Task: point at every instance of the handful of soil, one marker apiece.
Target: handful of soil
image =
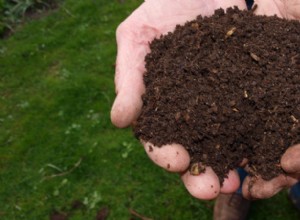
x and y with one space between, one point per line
226 87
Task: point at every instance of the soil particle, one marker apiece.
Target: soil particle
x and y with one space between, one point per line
58 216
150 148
76 204
225 87
102 214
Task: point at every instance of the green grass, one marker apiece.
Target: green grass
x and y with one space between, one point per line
56 89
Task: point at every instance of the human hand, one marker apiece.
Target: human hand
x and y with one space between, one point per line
257 188
254 188
285 9
149 21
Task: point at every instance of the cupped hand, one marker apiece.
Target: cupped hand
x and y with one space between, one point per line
152 19
257 188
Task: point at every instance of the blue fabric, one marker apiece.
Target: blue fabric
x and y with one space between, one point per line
294 194
295 190
249 3
242 173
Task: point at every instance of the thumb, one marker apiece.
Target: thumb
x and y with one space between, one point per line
130 66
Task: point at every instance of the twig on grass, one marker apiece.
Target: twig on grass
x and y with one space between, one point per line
68 12
139 215
76 165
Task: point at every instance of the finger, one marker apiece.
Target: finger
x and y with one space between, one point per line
295 177
126 107
285 9
132 48
231 183
257 188
205 186
172 157
290 160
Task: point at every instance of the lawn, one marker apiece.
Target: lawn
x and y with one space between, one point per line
59 152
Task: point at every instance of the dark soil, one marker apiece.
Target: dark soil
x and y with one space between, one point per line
102 214
226 87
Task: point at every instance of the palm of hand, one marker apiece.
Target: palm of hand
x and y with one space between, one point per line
149 21
285 9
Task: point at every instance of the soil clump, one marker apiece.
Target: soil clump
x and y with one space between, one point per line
226 87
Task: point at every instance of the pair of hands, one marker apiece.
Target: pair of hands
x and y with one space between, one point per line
149 21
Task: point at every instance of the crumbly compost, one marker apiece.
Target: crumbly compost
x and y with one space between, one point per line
226 87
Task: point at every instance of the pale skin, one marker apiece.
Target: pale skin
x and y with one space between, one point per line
150 20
